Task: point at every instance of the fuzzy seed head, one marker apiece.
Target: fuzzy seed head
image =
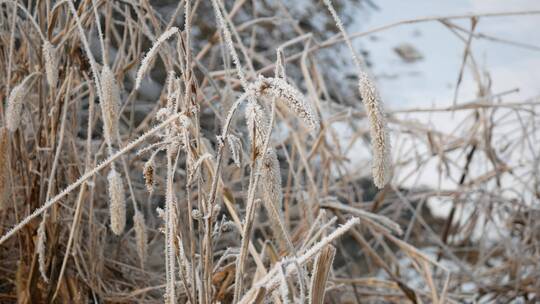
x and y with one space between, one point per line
41 248
287 94
145 64
257 123
172 84
110 105
51 63
380 141
235 145
148 173
14 107
271 179
117 204
139 226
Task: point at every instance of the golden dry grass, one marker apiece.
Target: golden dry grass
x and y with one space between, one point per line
223 137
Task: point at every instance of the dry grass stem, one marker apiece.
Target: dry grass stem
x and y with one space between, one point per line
321 271
254 174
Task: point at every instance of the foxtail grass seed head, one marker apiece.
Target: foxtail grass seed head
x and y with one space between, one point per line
117 204
110 105
290 97
145 64
271 179
148 173
380 141
257 123
41 249
272 195
235 145
14 106
51 63
171 85
140 235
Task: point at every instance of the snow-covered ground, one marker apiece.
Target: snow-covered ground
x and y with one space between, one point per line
512 63
433 79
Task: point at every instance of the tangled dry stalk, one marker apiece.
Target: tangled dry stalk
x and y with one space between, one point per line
252 208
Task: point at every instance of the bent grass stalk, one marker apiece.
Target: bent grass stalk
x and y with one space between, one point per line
15 103
85 177
380 141
271 280
145 64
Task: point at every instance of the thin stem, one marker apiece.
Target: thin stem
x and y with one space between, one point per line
85 177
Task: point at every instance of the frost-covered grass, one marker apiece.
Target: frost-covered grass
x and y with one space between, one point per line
210 152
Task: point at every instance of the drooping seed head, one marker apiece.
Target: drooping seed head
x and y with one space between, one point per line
117 204
380 141
145 64
287 94
271 179
257 123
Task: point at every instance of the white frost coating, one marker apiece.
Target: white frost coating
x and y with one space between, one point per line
117 202
151 53
289 96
